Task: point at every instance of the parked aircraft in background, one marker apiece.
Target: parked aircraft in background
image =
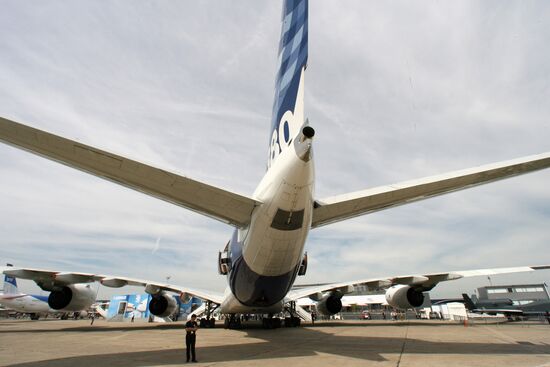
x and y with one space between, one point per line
507 307
39 305
265 253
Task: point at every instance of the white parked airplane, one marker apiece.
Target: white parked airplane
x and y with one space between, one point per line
266 251
37 305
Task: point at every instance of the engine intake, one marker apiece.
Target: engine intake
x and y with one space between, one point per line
404 297
162 305
329 305
74 297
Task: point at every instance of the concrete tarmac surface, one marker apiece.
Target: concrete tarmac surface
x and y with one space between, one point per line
343 343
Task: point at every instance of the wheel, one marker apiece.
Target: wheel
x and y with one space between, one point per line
292 321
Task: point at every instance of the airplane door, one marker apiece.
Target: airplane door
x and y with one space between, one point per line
121 308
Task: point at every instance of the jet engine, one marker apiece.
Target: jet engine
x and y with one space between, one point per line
329 305
74 297
162 305
404 297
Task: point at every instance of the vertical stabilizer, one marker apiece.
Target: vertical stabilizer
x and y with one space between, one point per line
288 105
468 302
10 284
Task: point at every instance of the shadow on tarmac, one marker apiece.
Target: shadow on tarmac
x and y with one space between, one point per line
179 325
284 343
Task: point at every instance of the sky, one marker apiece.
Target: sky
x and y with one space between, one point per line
396 90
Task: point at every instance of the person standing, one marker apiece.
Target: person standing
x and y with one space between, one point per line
191 328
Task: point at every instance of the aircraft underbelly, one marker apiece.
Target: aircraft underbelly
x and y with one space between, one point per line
232 305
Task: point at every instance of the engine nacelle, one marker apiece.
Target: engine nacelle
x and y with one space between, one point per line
162 305
74 297
404 297
329 305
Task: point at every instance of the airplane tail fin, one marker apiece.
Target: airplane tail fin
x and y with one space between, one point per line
288 105
468 302
10 284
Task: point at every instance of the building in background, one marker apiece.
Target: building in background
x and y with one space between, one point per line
520 295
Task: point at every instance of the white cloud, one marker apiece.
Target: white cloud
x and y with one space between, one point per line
395 90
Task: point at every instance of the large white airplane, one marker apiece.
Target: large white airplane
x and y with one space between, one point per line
265 253
37 305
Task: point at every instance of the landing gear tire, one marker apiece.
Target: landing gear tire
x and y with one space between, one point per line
292 321
34 316
232 322
271 322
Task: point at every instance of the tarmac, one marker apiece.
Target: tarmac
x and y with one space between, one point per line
343 343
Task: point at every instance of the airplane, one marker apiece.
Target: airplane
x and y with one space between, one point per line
37 305
266 251
506 307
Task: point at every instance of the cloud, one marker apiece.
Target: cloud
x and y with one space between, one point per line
395 91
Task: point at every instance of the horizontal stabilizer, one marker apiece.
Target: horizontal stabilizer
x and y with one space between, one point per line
211 201
358 203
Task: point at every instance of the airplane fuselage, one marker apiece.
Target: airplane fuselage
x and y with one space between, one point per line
266 256
26 303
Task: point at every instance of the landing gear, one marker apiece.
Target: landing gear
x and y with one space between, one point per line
271 322
232 322
209 321
34 316
293 320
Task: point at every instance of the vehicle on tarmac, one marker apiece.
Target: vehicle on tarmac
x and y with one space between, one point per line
365 315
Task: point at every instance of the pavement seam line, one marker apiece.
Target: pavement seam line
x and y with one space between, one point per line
403 346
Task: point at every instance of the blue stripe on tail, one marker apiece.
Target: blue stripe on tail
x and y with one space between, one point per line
292 61
10 285
10 280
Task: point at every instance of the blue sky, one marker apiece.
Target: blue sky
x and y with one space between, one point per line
395 90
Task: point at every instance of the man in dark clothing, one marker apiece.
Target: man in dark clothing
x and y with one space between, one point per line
191 328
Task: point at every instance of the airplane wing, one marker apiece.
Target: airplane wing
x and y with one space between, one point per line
211 201
48 279
337 208
424 281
